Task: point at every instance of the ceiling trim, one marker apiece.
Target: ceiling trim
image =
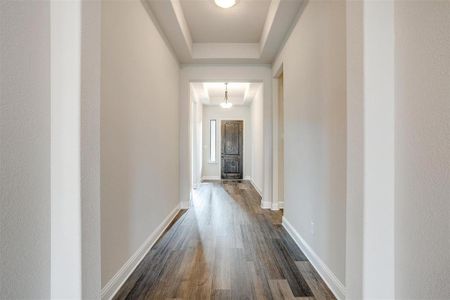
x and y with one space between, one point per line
181 21
247 97
285 16
201 51
273 8
170 21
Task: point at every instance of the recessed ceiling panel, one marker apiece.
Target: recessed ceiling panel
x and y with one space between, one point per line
242 23
212 93
235 89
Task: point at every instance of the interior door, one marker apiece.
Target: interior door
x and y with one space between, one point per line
232 145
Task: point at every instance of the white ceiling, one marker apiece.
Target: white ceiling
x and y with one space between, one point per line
198 31
213 93
209 23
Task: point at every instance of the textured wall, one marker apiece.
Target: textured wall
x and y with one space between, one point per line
139 132
422 149
25 150
257 118
314 69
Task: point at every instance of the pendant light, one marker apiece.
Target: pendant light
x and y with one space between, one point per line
226 104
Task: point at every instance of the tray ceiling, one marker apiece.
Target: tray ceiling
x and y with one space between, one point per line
198 31
209 23
212 93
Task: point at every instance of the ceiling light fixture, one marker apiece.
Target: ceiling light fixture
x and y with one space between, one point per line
226 104
225 3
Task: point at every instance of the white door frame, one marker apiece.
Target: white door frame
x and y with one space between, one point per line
276 202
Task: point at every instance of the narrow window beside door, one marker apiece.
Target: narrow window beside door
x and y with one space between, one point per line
212 141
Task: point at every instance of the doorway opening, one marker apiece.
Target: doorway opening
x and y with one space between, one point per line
226 142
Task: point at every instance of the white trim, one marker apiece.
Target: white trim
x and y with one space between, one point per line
184 204
116 282
215 161
324 271
256 187
266 205
277 206
210 177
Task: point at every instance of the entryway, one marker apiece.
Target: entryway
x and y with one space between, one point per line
227 132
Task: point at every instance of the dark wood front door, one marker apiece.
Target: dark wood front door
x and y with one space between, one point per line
232 149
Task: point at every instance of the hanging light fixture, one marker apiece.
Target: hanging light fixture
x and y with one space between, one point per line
226 104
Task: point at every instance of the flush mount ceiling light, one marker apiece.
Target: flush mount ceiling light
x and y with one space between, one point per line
226 104
225 3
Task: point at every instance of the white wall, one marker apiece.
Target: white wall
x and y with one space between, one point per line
355 151
197 138
65 149
213 170
257 157
422 180
403 63
378 161
370 132
90 97
229 73
139 132
52 214
25 150
75 150
314 68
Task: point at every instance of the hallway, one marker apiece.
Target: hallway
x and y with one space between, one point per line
225 247
120 121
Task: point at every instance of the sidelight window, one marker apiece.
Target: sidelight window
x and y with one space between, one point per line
212 140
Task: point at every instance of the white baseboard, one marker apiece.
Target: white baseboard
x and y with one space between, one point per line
277 206
255 186
184 205
211 178
266 204
116 282
324 271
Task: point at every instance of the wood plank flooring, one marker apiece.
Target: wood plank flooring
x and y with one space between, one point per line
225 247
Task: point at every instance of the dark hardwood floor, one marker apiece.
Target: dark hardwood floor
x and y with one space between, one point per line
225 247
